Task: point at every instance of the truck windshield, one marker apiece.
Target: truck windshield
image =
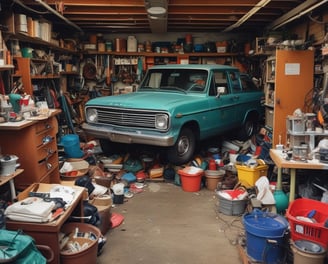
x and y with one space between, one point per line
186 80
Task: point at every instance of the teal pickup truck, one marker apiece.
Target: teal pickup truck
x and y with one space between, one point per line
176 107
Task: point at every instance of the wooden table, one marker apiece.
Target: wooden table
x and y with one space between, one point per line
278 158
48 233
10 179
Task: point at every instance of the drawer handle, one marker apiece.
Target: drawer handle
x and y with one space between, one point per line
49 151
49 166
47 139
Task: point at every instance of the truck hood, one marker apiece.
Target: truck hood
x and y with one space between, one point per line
146 100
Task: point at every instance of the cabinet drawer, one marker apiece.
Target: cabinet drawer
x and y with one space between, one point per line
46 150
44 125
51 177
45 138
46 165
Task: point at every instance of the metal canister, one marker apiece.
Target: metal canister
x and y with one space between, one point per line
120 45
109 46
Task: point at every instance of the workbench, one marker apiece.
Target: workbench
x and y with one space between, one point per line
278 158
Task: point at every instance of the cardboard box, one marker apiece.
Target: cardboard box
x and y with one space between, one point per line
45 187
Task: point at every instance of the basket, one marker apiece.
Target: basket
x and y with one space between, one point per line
88 245
300 229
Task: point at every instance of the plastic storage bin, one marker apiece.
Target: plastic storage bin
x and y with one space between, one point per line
299 211
248 175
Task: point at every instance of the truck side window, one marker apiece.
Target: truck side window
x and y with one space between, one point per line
220 80
235 82
248 84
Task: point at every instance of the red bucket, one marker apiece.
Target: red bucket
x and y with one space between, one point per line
191 178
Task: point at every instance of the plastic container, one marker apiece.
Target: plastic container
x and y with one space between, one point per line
89 253
118 190
191 178
71 144
307 252
118 198
132 44
296 124
265 235
307 230
281 200
27 52
248 176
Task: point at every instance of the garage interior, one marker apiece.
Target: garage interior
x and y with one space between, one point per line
56 56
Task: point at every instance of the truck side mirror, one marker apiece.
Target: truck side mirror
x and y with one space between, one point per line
220 90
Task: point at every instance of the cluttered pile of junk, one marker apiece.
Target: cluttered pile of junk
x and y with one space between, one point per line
236 172
239 175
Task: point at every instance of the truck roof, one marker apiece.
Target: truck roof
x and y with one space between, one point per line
194 66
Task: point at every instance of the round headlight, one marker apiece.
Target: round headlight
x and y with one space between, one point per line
161 121
91 115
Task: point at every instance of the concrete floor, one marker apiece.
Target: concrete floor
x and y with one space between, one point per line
166 225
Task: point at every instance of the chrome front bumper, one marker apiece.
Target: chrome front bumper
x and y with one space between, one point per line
128 137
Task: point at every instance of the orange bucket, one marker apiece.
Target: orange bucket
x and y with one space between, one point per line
191 178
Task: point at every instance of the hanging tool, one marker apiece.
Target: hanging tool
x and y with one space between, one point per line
108 70
67 112
322 114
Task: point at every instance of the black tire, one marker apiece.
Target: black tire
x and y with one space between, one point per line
248 129
183 149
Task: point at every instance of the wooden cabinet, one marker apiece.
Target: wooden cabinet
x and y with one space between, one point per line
289 80
35 144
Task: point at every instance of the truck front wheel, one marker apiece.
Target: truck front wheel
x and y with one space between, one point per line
248 129
183 149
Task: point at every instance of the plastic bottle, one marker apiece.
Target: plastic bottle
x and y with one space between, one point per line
212 165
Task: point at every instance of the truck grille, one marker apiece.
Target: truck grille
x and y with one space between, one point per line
127 117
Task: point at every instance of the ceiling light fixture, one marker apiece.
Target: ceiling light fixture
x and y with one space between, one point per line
157 15
242 20
156 11
294 14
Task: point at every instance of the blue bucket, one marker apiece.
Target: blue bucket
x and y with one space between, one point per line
71 144
265 234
